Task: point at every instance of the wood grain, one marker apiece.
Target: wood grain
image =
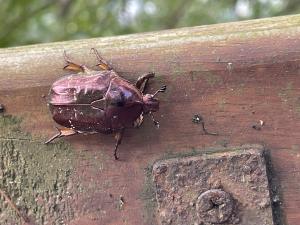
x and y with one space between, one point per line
232 74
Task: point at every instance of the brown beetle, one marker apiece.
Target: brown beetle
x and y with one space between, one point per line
99 101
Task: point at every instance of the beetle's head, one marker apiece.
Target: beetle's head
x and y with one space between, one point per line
151 104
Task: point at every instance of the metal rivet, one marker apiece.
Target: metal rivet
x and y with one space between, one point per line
214 206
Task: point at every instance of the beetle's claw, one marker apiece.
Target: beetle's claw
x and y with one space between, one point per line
115 155
156 123
163 88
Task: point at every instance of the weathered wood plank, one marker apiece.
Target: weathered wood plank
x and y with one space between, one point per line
233 74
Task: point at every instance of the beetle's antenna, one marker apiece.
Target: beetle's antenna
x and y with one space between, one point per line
162 89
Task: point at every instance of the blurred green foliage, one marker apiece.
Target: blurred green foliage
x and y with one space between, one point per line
35 21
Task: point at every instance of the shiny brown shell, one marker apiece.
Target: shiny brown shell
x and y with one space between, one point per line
95 101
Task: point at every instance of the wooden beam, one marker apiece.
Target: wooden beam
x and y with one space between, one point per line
233 74
38 65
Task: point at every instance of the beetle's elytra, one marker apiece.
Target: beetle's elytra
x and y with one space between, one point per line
91 101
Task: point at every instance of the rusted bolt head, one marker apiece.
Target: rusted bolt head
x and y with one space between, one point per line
214 206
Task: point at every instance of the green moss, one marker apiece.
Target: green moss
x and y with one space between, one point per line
171 155
148 197
35 176
286 93
177 69
295 148
211 79
290 98
222 103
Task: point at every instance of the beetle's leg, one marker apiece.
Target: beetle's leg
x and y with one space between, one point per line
102 63
71 65
118 137
61 133
142 81
156 123
138 122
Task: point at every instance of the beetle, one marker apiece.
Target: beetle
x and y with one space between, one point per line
99 101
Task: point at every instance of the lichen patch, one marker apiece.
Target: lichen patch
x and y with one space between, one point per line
35 176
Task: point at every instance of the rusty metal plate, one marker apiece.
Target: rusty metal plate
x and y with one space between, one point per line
228 187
